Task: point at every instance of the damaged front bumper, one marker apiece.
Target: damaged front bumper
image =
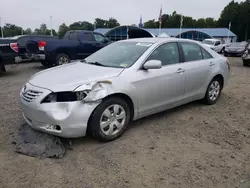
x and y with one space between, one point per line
64 119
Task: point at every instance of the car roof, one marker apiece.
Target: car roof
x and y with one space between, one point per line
158 40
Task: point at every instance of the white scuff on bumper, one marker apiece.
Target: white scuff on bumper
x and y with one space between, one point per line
64 119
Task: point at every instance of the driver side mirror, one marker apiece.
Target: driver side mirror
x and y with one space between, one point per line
152 64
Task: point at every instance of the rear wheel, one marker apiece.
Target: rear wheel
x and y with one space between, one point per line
245 63
110 119
62 59
213 91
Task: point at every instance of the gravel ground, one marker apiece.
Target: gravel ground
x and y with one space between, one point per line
190 146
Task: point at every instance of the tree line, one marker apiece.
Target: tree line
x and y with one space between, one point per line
236 13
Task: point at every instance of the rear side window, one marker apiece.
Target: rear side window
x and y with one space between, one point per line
191 52
206 55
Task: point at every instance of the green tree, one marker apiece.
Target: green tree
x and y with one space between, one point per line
62 30
112 22
28 31
101 23
81 26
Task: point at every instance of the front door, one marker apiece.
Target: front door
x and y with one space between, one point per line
159 89
99 41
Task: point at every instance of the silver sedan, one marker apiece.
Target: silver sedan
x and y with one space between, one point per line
124 81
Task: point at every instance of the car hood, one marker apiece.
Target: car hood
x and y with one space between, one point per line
70 76
235 48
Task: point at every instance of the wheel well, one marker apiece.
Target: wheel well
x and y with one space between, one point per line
62 52
127 99
219 76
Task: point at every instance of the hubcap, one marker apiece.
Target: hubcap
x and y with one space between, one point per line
63 60
112 120
214 90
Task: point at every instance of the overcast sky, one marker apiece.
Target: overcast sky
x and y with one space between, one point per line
31 13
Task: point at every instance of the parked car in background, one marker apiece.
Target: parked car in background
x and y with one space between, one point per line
123 81
246 56
8 52
26 55
76 44
215 44
235 49
13 49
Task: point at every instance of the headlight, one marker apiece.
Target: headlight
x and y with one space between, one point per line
65 97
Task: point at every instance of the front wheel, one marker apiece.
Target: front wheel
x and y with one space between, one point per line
62 59
222 51
213 91
110 119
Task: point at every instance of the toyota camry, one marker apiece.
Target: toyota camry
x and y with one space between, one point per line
122 82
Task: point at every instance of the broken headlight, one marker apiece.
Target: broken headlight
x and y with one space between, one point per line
65 97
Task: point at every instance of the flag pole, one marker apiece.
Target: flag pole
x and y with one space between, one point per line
229 28
181 26
1 26
51 31
160 21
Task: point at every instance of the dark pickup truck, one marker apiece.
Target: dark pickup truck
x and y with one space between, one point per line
76 44
13 49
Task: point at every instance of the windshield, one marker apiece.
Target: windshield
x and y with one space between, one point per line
238 44
119 54
208 42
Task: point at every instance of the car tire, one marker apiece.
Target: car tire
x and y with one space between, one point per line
213 91
245 63
62 59
222 50
115 126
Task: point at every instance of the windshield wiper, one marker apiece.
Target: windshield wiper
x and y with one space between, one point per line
97 63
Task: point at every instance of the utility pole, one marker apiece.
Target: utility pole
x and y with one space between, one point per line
51 31
1 26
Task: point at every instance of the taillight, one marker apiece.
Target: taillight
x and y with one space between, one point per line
14 46
41 45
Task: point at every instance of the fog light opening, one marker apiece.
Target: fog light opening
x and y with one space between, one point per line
57 127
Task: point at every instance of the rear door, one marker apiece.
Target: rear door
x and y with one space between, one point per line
99 41
198 65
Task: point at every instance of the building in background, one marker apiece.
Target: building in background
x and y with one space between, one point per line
199 34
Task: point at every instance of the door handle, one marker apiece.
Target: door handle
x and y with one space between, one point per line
180 70
212 64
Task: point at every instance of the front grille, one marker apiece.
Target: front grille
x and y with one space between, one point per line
30 95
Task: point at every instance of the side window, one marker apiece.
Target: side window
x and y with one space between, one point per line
87 37
191 52
167 53
206 55
217 43
73 36
99 38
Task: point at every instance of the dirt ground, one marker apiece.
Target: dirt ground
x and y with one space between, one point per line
192 146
